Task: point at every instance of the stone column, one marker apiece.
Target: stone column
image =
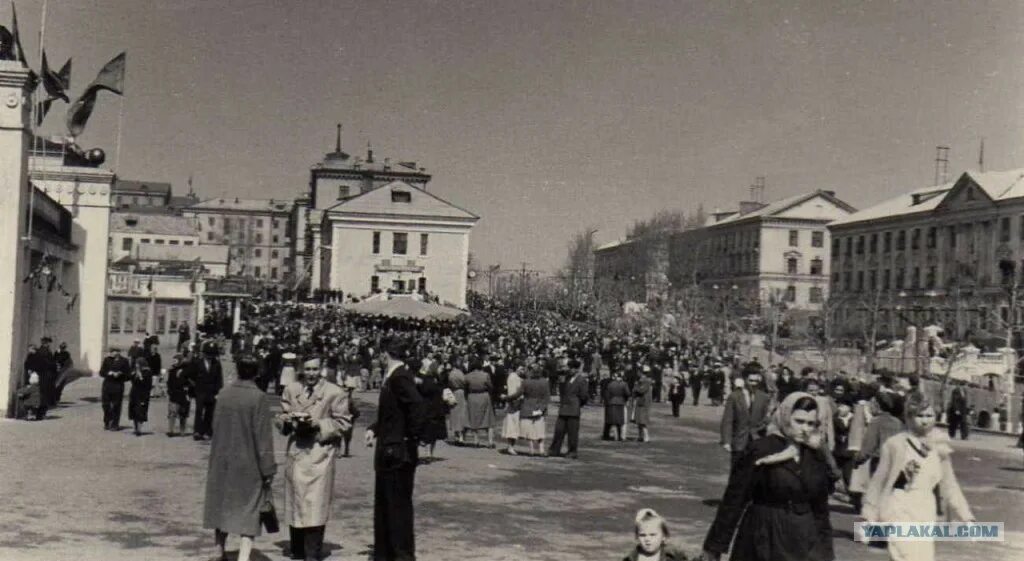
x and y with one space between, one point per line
314 276
15 101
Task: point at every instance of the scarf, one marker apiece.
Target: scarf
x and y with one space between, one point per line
779 424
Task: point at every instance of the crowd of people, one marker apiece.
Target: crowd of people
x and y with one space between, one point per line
794 439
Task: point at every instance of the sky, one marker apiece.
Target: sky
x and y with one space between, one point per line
549 118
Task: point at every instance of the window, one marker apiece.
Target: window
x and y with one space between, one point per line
915 239
141 318
273 254
376 243
401 197
399 243
259 222
835 281
1004 229
159 242
817 239
129 318
901 240
398 285
860 281
849 246
126 244
815 295
277 239
273 273
873 244
211 221
933 234
817 266
227 226
872 280
256 271
900 278
952 233
115 317
794 238
342 191
276 223
848 281
144 240
173 242
424 238
887 242
374 283
209 236
172 319
791 265
257 253
915 281
259 238
929 280
423 284
835 248
885 279
791 293
189 242
860 245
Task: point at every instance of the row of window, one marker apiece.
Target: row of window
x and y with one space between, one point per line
817 238
239 224
400 243
135 200
133 317
885 279
814 294
817 266
126 243
886 241
399 285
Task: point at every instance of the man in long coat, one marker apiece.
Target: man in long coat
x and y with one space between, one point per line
399 424
241 463
207 379
315 415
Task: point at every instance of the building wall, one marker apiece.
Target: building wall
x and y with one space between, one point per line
133 310
353 263
803 289
118 249
260 242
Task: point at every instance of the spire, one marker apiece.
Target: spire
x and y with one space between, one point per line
337 142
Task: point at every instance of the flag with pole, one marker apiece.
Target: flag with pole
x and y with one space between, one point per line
110 78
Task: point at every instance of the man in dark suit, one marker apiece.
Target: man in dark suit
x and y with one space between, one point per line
696 378
397 429
957 413
572 397
115 370
746 414
207 379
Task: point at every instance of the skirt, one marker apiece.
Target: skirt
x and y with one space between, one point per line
532 428
457 416
480 414
510 427
615 415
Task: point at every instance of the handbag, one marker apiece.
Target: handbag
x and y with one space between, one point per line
268 514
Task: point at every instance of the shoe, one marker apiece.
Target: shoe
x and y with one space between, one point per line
573 456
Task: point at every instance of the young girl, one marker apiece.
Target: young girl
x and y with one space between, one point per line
651 532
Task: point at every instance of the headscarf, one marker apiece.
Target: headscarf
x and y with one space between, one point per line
780 423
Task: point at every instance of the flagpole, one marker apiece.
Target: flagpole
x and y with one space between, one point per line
120 125
34 127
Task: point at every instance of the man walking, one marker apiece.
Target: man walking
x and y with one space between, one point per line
115 370
745 416
397 429
207 380
572 397
958 412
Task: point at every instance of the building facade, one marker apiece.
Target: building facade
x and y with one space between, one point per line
948 255
632 270
153 299
256 231
396 238
130 232
762 252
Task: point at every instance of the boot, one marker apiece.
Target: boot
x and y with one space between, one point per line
313 541
296 542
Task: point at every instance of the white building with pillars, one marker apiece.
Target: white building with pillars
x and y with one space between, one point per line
53 240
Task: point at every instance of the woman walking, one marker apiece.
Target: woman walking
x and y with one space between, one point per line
615 397
510 426
912 464
241 464
457 417
138 396
433 410
641 410
533 409
778 493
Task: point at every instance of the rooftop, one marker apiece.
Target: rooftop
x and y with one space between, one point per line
781 205
246 205
998 185
160 224
135 186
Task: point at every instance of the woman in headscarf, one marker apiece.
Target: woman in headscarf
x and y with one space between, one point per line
480 411
457 416
138 397
911 466
536 395
434 408
778 493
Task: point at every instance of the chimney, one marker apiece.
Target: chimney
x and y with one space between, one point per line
746 207
387 163
337 141
369 153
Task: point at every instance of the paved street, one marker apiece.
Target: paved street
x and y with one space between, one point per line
73 491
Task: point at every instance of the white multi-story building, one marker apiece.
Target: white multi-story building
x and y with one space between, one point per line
256 231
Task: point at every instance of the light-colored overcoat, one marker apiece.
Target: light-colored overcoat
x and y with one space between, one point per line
309 460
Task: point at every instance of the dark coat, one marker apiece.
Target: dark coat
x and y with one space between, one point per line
668 553
783 507
434 409
573 396
207 381
179 386
536 397
741 425
115 372
399 423
617 393
241 455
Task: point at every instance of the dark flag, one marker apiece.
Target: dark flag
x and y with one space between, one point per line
110 78
17 36
56 85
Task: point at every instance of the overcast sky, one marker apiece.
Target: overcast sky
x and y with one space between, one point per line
547 117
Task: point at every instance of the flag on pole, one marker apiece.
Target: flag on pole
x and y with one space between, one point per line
56 85
110 78
17 36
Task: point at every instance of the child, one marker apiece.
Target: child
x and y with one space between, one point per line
30 401
651 533
179 392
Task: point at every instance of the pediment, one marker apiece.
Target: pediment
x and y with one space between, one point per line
965 194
